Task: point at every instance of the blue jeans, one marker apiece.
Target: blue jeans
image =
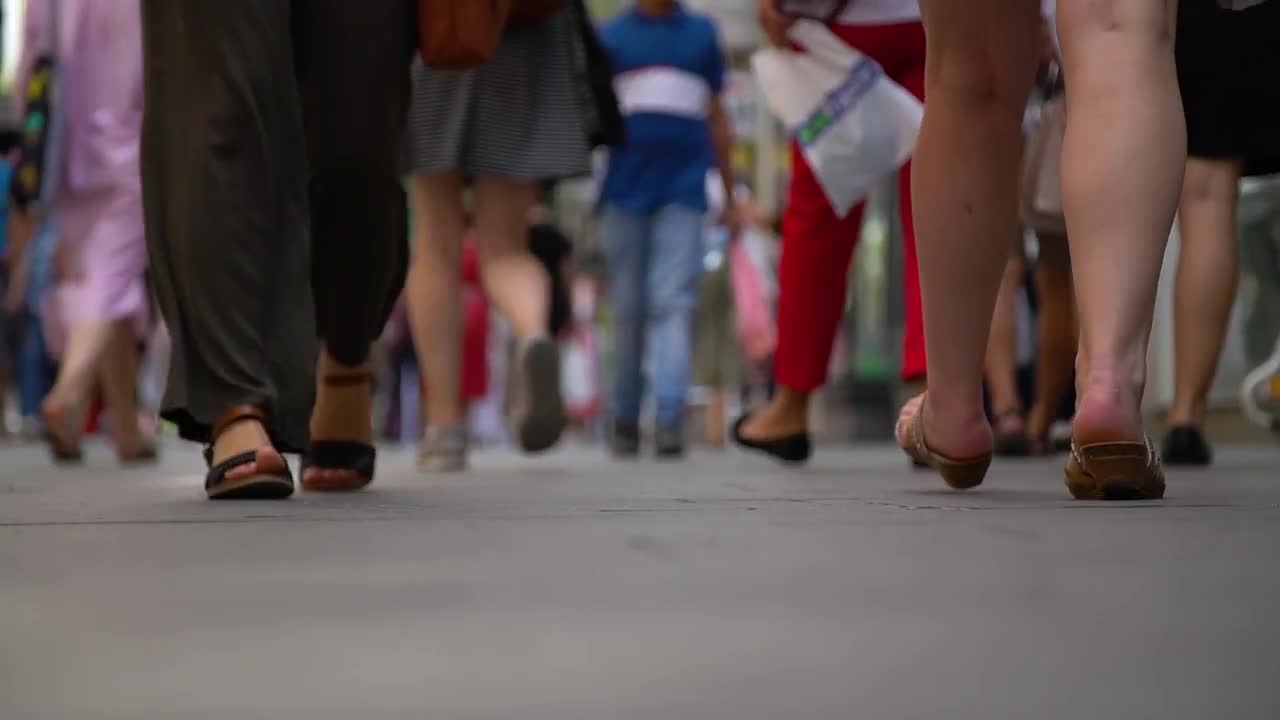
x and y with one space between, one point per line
655 264
31 368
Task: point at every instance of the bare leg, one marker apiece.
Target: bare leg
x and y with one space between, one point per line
515 281
119 377
715 418
1208 273
1056 341
86 345
1002 354
787 413
980 67
435 293
1121 173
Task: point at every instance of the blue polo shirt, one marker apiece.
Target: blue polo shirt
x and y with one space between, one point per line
667 69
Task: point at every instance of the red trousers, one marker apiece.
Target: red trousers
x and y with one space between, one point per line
817 246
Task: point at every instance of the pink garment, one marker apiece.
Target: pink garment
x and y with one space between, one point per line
97 204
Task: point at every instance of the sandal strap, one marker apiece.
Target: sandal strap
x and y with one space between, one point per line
232 416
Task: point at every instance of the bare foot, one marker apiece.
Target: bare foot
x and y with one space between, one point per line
786 415
246 436
1107 411
952 435
60 426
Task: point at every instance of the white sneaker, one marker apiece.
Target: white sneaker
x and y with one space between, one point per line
1260 393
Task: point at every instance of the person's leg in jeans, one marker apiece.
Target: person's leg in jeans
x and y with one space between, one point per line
626 237
352 88
32 368
675 269
225 191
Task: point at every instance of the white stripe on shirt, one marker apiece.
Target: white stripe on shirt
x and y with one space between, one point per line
665 90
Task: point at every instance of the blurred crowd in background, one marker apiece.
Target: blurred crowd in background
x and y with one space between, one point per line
696 273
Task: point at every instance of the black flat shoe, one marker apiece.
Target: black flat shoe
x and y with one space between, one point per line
1186 445
791 450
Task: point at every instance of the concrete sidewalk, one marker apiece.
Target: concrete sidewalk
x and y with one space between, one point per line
573 588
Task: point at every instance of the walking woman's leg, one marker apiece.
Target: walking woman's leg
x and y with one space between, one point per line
223 171
519 287
355 96
1056 341
980 66
435 294
1002 362
1205 289
1122 166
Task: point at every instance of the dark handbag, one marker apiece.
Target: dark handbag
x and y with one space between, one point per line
593 75
460 34
32 182
531 12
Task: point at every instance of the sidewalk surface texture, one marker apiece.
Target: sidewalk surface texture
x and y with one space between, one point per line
570 587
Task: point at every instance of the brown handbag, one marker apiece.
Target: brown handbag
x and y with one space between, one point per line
460 34
463 34
1041 202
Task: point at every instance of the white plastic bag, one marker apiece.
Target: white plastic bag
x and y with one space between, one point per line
854 124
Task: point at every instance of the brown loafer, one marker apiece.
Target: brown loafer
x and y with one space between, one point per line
958 473
1115 471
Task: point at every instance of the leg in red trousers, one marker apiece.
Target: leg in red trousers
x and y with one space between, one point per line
817 248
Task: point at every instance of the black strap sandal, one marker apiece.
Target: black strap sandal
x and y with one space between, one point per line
351 461
272 481
790 450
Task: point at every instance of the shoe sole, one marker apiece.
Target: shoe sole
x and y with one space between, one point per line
253 487
544 418
1116 472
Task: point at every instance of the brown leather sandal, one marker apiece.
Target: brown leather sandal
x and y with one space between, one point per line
958 473
352 459
272 481
1115 471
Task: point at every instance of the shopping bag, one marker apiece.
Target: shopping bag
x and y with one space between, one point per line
854 124
1040 204
751 305
580 372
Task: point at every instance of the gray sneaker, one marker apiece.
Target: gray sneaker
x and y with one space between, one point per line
443 449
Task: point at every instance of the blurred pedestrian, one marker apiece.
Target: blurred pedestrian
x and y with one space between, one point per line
500 130
670 73
275 219
1123 156
818 244
1233 131
1019 433
100 293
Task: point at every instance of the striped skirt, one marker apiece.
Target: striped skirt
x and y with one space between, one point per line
516 117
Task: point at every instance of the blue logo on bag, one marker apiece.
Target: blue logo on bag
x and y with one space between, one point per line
839 101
